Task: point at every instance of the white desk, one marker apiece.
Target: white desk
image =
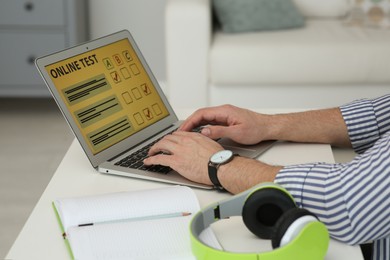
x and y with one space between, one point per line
41 236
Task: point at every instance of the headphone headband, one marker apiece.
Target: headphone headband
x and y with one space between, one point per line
302 246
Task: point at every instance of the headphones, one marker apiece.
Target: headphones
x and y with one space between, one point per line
269 212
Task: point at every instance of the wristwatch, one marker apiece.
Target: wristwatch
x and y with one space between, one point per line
217 159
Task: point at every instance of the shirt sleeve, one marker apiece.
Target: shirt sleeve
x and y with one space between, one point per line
367 120
351 199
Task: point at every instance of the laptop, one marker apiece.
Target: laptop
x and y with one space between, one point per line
116 108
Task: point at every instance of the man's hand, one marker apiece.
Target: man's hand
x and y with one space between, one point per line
188 153
241 125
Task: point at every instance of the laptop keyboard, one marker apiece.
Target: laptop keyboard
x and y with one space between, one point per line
135 160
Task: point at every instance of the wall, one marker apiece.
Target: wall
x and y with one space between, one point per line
143 18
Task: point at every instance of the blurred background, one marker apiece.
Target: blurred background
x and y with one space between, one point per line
323 53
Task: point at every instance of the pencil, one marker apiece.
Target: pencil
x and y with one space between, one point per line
161 216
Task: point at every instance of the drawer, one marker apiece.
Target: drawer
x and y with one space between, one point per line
32 12
18 52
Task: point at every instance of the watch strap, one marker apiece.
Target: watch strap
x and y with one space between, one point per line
213 170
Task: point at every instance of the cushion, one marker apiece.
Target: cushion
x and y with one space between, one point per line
370 13
325 52
323 8
254 15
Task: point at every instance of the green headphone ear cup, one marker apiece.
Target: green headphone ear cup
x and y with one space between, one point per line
263 208
284 223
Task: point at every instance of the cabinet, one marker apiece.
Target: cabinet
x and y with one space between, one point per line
32 28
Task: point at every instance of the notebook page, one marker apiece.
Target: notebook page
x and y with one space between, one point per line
124 205
150 239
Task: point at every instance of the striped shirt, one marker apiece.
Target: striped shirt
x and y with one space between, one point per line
352 199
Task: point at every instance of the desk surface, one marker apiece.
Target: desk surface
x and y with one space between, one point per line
41 237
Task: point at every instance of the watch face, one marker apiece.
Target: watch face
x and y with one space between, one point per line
221 156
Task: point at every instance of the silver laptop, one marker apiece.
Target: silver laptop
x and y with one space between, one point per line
116 108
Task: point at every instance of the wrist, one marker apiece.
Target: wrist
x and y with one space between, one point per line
216 160
269 126
281 127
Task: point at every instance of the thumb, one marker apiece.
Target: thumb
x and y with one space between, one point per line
215 132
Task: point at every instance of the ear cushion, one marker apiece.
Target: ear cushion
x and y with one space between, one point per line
285 221
263 208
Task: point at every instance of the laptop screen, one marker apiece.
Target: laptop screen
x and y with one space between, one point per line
108 93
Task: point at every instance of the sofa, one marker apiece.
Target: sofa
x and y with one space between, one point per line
331 59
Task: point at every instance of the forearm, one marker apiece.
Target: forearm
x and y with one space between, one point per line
242 173
317 126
